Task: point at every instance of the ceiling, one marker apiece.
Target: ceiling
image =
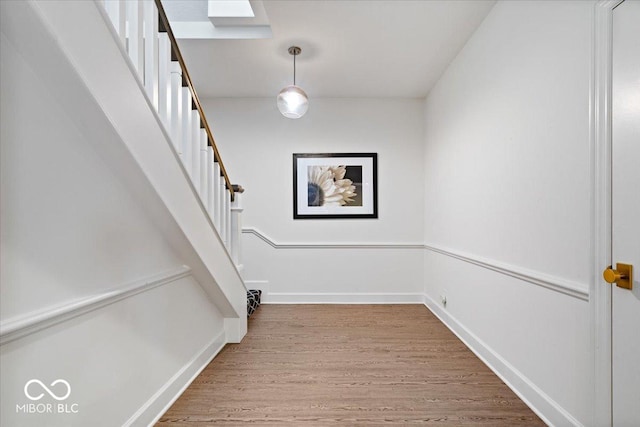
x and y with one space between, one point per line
350 48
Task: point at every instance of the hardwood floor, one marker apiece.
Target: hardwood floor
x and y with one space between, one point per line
348 365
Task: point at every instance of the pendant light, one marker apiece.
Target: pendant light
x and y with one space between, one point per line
292 102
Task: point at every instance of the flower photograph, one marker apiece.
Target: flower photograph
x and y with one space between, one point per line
331 186
335 185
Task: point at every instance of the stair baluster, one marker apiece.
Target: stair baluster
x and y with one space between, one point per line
150 33
145 34
217 197
195 149
134 10
176 107
164 79
204 173
187 127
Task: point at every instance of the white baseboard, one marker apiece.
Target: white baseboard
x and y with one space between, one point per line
543 405
160 402
342 298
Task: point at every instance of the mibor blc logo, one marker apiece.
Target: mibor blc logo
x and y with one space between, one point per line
35 390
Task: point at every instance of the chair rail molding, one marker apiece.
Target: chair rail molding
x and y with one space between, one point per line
328 245
30 323
558 284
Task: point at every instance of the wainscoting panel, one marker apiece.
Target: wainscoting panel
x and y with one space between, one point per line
337 273
137 352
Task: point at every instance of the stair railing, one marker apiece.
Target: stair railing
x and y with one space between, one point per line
145 33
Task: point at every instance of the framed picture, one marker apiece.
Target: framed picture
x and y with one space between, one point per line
337 185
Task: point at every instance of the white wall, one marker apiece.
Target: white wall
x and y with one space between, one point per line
257 144
66 214
507 175
93 279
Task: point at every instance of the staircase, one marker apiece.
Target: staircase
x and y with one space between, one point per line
120 225
144 32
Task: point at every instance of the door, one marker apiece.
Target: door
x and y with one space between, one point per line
625 213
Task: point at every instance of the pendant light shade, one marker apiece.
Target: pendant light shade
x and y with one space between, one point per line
292 101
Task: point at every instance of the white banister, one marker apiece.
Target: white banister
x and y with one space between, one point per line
186 130
164 79
175 99
227 202
236 229
210 181
150 29
204 174
223 212
195 149
118 16
134 33
112 7
217 208
122 22
145 33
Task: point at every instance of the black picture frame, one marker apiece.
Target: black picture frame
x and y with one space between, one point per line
335 185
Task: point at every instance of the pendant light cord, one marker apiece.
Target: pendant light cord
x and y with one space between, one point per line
294 69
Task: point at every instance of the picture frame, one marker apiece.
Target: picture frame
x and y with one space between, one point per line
335 186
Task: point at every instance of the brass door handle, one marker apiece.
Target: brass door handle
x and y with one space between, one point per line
622 276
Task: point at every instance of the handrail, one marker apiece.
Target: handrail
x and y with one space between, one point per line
164 24
138 25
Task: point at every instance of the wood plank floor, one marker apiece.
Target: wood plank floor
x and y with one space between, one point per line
348 365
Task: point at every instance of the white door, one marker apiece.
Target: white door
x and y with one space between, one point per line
625 246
